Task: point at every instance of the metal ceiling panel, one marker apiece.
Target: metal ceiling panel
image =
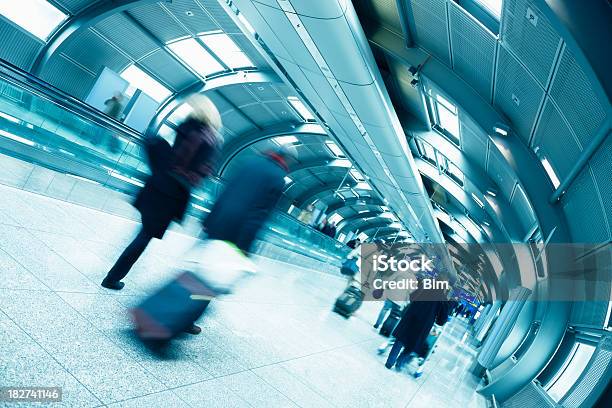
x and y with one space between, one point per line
158 22
601 164
68 76
120 31
556 141
473 49
264 92
583 210
169 70
517 94
260 115
237 95
284 112
90 50
18 47
427 22
219 15
573 93
237 123
191 15
530 36
74 6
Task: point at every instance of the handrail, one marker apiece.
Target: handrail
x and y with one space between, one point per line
23 79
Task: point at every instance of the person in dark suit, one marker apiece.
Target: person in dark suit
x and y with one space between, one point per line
249 197
175 171
426 308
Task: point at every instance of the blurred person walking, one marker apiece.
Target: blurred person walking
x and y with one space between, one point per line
427 306
249 198
176 170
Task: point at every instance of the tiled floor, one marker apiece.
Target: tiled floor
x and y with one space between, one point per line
274 343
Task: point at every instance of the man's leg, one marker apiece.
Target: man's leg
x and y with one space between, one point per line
127 259
395 351
383 313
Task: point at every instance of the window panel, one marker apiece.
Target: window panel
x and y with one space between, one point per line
194 55
492 6
137 78
300 108
223 46
38 17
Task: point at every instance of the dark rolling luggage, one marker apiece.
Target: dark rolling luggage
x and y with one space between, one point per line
172 309
391 321
349 301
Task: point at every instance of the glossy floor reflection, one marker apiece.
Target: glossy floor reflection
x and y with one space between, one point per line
275 343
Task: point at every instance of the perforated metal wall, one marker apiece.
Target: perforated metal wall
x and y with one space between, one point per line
597 372
427 22
530 36
556 141
601 164
531 396
219 15
191 15
18 47
158 22
68 76
79 48
119 30
473 50
583 210
517 94
165 67
573 92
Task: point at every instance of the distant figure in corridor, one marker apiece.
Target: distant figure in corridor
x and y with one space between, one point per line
176 170
306 214
249 197
328 228
426 308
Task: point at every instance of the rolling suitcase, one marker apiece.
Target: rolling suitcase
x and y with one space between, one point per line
391 321
211 268
172 309
349 301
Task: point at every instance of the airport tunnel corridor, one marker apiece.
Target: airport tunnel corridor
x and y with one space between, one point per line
228 175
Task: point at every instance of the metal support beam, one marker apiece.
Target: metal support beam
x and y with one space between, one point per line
354 201
233 148
602 134
218 82
89 17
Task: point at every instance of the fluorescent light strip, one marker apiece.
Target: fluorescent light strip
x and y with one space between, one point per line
9 117
294 18
551 172
478 200
199 207
82 178
16 138
130 180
